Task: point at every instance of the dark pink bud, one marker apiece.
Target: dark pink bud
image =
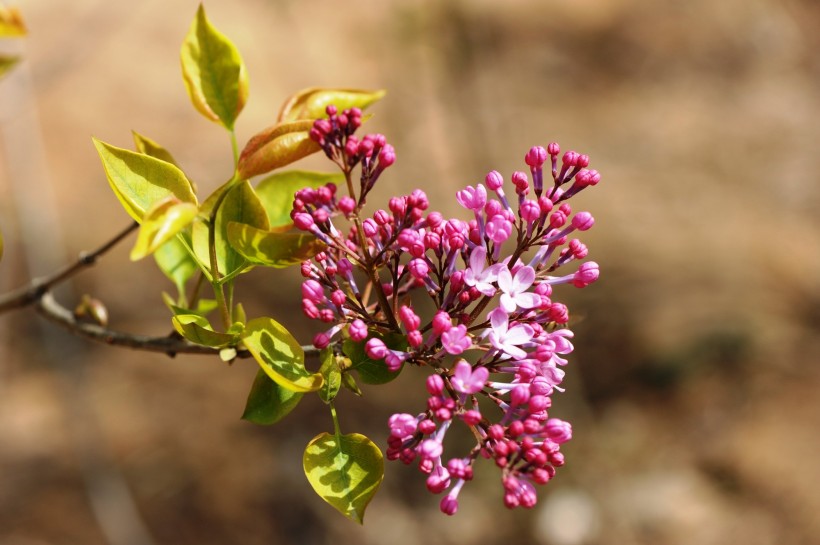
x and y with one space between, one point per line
538 403
519 395
303 221
494 180
323 126
346 205
331 110
352 148
438 481
578 249
320 215
428 426
559 313
516 428
521 182
338 297
434 219
357 330
382 217
449 505
545 204
457 280
493 208
557 219
435 385
471 417
409 318
310 309
582 161
586 274
529 211
376 349
398 205
418 199
594 177
321 340
305 269
566 208
326 315
370 228
496 431
419 268
570 158
583 221
441 323
432 240
535 157
415 339
313 290
558 430
553 148
387 156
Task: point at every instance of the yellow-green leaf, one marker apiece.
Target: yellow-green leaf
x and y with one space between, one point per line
331 373
240 205
311 103
11 23
161 223
198 330
275 147
345 471
268 403
139 180
276 192
214 73
272 249
148 146
176 262
279 355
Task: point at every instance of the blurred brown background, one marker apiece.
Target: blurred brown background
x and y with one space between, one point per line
693 389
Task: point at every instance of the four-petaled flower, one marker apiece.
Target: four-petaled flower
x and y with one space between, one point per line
455 340
480 276
467 380
507 339
515 288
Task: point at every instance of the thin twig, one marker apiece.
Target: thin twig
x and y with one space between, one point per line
31 293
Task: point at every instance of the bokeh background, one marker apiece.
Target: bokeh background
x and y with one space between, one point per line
694 387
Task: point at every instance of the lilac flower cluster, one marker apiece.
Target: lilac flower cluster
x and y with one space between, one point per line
496 341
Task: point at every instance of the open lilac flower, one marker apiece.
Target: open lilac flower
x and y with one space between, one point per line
479 275
515 288
455 340
505 339
466 380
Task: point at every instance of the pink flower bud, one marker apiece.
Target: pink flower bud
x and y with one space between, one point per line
558 430
331 110
419 268
303 221
434 219
357 330
438 481
494 180
321 340
376 349
387 156
370 228
449 505
535 157
545 204
471 417
409 318
586 274
415 339
310 309
553 148
398 206
578 249
338 298
313 290
441 322
529 211
582 161
521 182
346 205
583 221
519 395
570 158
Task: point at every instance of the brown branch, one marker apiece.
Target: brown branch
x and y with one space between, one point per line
32 293
48 307
37 293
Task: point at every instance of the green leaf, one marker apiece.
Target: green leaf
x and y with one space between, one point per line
269 249
331 373
276 147
277 190
350 383
176 262
240 205
139 181
203 306
268 403
161 223
214 73
198 330
279 355
311 103
345 471
149 147
372 371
